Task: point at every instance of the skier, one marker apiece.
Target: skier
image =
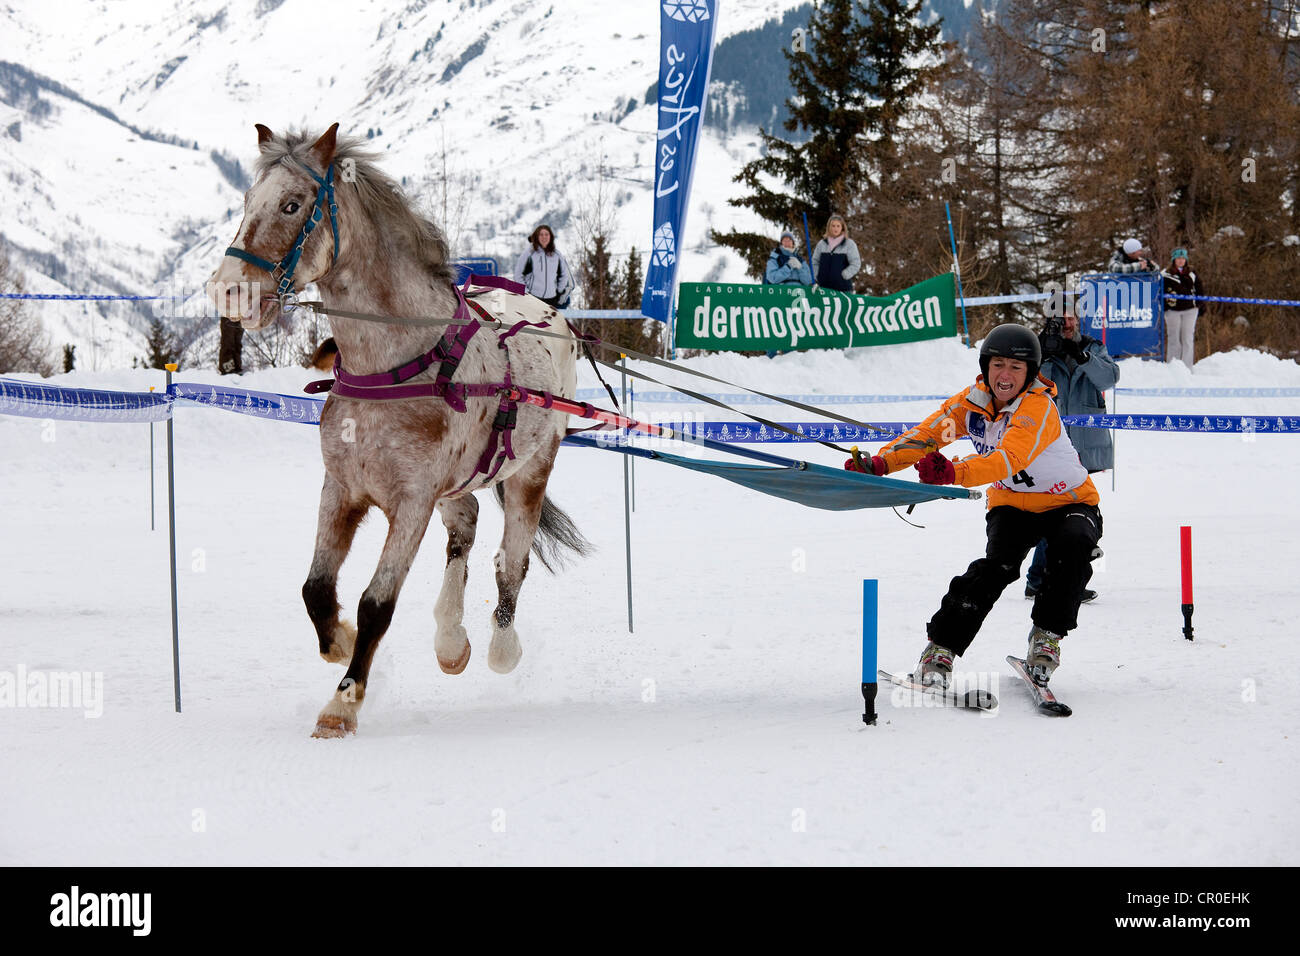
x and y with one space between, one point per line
1040 490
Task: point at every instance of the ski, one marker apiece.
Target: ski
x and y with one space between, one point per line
1047 702
977 699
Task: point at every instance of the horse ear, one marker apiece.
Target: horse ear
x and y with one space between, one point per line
323 148
264 135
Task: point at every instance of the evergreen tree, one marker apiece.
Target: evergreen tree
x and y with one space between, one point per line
69 357
162 346
631 282
596 274
862 66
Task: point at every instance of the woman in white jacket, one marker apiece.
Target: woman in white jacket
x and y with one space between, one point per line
544 271
836 261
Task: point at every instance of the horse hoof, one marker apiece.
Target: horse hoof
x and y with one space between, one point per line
456 666
335 655
333 726
503 657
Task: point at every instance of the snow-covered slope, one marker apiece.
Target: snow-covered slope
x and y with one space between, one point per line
725 730
513 105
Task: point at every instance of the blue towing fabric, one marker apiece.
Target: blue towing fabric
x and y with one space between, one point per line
816 486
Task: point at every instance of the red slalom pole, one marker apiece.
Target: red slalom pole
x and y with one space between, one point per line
1186 542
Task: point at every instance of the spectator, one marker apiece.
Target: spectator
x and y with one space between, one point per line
784 266
835 261
1081 369
1180 314
1131 258
544 271
1039 490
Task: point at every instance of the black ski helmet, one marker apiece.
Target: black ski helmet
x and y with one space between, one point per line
1012 341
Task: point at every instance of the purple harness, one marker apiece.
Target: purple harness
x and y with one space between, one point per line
447 354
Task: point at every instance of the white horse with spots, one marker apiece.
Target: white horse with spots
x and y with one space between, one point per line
391 436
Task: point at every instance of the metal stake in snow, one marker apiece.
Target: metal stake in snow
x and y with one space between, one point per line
627 515
152 510
869 634
171 517
1186 536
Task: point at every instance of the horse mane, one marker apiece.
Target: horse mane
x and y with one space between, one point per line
380 195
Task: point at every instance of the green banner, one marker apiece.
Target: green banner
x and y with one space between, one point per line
740 317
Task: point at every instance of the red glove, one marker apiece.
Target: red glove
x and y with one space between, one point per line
875 465
936 470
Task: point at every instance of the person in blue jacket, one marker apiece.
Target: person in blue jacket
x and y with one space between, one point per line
784 267
1082 370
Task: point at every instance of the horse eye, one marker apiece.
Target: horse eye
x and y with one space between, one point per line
289 208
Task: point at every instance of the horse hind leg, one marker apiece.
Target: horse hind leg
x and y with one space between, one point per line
336 526
460 516
406 527
523 494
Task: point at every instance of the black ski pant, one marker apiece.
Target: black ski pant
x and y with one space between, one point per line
1071 532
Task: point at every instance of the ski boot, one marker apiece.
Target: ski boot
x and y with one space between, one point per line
935 666
1044 654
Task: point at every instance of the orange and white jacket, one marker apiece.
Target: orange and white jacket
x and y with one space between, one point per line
1023 450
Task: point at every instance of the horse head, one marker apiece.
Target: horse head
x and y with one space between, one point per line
278 247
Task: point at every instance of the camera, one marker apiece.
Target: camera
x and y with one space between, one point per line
1053 337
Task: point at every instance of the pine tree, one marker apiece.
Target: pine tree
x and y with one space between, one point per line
631 282
161 344
69 357
863 65
596 274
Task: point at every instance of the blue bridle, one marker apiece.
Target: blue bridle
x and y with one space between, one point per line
284 269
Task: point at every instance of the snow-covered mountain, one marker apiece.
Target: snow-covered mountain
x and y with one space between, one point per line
126 131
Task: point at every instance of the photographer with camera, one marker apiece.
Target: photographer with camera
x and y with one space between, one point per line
1131 257
1082 370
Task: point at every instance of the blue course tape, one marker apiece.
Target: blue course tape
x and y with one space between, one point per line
87 298
33 400
745 398
1225 298
285 408
744 433
1212 392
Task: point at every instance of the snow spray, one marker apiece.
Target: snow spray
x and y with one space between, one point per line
869 606
1186 542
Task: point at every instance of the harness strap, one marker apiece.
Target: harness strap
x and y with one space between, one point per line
283 270
493 282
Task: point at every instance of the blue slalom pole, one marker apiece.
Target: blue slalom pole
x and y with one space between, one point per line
869 636
956 271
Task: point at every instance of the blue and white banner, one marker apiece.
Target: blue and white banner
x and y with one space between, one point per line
1126 311
246 401
35 400
685 56
751 433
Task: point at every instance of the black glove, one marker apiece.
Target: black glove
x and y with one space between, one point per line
1075 350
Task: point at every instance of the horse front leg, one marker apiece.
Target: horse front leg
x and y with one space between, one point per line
336 526
406 527
460 516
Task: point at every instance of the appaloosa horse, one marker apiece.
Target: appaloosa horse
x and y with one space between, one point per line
396 432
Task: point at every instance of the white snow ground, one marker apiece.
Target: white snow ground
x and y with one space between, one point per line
725 730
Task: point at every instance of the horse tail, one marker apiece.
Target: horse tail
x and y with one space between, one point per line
556 533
